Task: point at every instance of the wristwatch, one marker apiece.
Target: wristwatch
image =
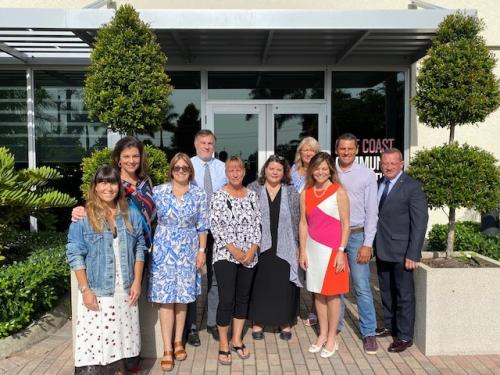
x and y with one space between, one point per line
202 250
341 248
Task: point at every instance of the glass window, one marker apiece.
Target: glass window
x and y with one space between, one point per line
371 106
183 116
64 133
290 129
231 129
266 85
13 115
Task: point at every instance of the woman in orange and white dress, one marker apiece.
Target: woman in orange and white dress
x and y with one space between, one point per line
323 232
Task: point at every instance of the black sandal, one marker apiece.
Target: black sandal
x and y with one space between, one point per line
258 335
228 361
242 348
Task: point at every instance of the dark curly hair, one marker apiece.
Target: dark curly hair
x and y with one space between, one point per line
128 142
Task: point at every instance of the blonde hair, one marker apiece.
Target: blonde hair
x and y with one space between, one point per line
180 156
235 159
307 141
97 211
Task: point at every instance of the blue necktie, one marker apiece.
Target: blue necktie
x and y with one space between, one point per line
384 194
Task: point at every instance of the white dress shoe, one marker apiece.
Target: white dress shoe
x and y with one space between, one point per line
326 354
315 348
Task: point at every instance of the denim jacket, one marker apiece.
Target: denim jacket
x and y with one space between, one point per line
93 251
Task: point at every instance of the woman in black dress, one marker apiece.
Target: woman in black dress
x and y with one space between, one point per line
275 293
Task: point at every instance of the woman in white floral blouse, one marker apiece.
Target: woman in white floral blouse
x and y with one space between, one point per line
235 224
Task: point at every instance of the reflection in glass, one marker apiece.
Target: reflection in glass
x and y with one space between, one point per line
13 115
64 133
289 129
183 116
371 106
237 134
266 85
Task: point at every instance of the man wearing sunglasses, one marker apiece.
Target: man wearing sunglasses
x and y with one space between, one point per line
209 173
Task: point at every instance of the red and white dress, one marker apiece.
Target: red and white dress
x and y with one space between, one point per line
324 234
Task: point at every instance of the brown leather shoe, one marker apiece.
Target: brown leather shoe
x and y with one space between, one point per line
399 346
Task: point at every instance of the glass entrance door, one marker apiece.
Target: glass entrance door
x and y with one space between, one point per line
238 128
256 131
291 123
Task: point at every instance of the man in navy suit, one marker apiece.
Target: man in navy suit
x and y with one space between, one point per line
402 223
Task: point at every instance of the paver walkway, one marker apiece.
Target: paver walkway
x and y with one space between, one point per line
270 356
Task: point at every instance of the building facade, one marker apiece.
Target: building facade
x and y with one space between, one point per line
261 75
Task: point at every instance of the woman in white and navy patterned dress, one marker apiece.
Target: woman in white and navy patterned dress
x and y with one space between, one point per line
178 253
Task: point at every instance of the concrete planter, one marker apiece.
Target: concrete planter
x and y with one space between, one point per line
457 309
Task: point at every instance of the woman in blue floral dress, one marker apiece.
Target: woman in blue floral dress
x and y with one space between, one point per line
178 253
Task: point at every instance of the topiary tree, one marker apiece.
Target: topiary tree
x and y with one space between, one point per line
456 86
157 165
126 87
458 176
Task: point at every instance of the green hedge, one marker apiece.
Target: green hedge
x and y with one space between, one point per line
31 287
467 238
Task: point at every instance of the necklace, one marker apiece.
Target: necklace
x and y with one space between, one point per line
318 193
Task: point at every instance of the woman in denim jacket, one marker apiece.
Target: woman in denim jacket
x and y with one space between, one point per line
106 251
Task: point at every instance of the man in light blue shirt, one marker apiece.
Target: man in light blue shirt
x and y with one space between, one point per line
361 185
209 174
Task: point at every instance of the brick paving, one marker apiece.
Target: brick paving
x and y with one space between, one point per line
270 356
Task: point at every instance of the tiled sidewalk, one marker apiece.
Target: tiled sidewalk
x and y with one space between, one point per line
270 356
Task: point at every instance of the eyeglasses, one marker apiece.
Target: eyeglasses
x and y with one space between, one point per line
178 169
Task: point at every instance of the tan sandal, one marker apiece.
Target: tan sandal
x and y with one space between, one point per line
179 353
167 364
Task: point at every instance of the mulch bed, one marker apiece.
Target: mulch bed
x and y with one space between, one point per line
458 262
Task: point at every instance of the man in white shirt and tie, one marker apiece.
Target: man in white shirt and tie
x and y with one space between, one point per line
210 174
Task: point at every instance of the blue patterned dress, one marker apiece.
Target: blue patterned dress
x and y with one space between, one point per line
173 277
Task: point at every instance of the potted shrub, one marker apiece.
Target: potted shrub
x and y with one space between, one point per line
457 310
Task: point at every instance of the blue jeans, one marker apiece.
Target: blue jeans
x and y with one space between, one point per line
360 276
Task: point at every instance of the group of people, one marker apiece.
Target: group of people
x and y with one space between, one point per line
311 225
